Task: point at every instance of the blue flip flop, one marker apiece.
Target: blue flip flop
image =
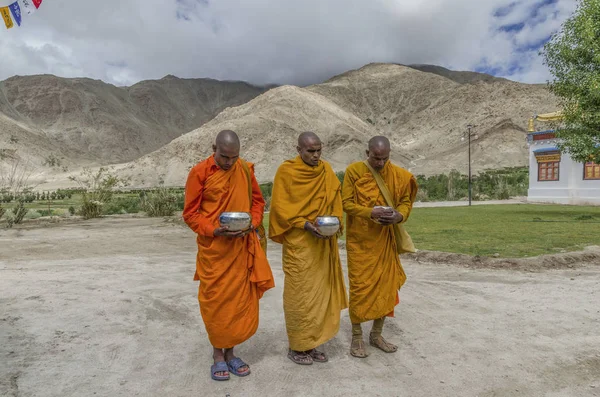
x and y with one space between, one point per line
220 366
235 364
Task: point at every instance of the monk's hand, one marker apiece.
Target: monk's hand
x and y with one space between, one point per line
391 219
378 213
248 231
313 230
224 232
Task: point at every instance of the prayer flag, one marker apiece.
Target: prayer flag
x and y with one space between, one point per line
16 12
27 6
5 12
37 3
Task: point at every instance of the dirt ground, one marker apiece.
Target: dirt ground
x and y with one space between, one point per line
108 308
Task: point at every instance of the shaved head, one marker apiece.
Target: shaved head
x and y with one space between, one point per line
379 142
227 138
227 149
378 153
308 137
309 148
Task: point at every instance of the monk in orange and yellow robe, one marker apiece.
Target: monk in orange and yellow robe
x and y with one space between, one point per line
374 269
314 293
231 266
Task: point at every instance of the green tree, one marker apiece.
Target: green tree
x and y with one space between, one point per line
573 57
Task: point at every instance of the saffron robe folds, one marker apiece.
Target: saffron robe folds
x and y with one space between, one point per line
233 272
374 269
314 293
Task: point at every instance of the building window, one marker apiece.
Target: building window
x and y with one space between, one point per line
591 171
548 171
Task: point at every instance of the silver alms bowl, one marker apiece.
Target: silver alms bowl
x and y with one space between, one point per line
327 225
235 220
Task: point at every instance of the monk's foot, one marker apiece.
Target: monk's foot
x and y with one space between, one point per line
382 344
317 356
301 358
357 349
219 371
235 364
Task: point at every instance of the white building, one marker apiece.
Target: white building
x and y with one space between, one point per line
555 178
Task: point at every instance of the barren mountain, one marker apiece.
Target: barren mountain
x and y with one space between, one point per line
423 109
89 121
268 127
424 114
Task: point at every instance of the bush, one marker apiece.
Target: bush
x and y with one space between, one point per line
60 213
340 176
267 189
16 214
91 209
72 210
122 205
33 214
160 203
98 190
490 184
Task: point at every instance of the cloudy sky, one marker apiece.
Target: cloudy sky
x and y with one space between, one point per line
277 41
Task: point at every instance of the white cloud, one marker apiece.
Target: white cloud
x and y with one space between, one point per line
268 41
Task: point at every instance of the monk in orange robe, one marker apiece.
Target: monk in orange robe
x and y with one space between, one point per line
374 239
231 265
314 293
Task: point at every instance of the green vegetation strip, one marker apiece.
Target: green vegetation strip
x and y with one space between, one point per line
506 231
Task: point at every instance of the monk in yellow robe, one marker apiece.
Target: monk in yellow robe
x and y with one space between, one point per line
314 293
231 265
374 268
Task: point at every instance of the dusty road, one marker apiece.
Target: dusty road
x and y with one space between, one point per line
108 308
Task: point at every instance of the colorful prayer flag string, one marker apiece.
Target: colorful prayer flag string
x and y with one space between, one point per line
5 12
14 13
15 9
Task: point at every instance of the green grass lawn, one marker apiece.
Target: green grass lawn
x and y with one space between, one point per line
508 230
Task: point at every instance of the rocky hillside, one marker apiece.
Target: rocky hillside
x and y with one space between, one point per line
84 121
424 114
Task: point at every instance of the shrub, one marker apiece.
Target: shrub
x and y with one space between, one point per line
91 209
16 214
98 190
33 214
160 203
122 205
72 210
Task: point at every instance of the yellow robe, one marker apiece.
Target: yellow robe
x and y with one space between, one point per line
314 293
374 268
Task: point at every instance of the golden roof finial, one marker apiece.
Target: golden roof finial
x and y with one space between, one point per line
531 126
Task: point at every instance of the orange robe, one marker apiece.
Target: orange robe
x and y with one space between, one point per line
233 272
374 269
314 293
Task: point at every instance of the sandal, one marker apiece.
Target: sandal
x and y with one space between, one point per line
317 356
301 358
234 366
219 366
382 344
357 348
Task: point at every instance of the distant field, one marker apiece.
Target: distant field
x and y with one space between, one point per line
511 231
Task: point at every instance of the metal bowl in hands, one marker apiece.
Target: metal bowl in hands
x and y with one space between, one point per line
235 221
327 225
